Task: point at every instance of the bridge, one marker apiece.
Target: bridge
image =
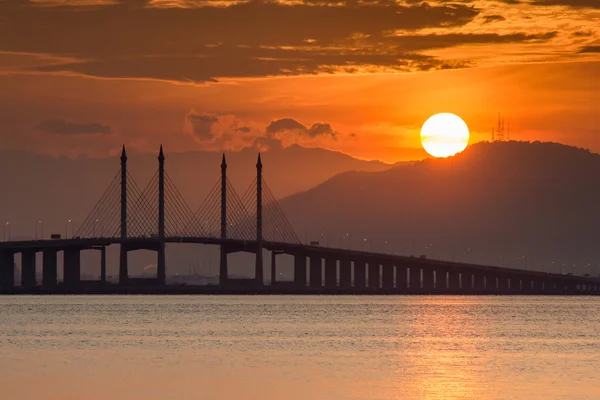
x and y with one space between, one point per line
149 218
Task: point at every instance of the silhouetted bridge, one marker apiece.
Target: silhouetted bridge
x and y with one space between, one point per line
149 218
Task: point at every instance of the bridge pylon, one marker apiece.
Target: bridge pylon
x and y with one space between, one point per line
123 268
223 272
161 270
258 274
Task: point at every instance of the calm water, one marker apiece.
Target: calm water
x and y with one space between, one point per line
272 347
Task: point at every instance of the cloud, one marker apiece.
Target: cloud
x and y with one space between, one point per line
493 18
590 49
218 132
285 124
59 126
583 33
202 125
318 129
569 3
280 127
203 42
228 132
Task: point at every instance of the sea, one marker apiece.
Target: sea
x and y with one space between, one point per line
299 347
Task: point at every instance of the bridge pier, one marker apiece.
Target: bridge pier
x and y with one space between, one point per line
503 284
330 273
161 267
103 264
345 273
123 267
428 281
273 269
387 276
401 281
479 282
7 269
441 279
72 267
28 279
223 270
300 270
454 280
49 271
360 277
414 281
374 275
316 271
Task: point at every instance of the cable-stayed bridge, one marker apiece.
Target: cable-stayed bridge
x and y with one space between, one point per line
149 217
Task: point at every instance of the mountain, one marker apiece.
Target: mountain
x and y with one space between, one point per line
516 204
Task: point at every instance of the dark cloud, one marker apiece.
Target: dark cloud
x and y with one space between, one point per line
244 129
202 125
493 18
583 33
60 126
569 3
590 49
283 125
319 129
201 44
397 53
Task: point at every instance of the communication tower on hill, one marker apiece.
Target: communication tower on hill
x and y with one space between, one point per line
498 132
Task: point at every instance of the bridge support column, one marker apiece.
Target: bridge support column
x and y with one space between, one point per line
123 267
428 282
538 286
374 275
161 267
71 267
7 269
441 279
387 276
49 272
401 281
28 279
478 282
223 270
316 271
300 270
503 284
330 273
454 281
103 264
345 273
273 268
360 274
415 278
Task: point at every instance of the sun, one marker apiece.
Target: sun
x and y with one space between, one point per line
444 135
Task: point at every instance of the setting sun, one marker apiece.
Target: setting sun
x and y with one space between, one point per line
444 135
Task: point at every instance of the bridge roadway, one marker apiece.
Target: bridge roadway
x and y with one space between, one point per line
316 270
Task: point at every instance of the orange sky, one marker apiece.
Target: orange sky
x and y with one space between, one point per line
359 77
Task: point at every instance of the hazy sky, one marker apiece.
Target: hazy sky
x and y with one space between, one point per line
82 76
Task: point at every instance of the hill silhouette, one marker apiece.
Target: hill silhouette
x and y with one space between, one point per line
515 204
